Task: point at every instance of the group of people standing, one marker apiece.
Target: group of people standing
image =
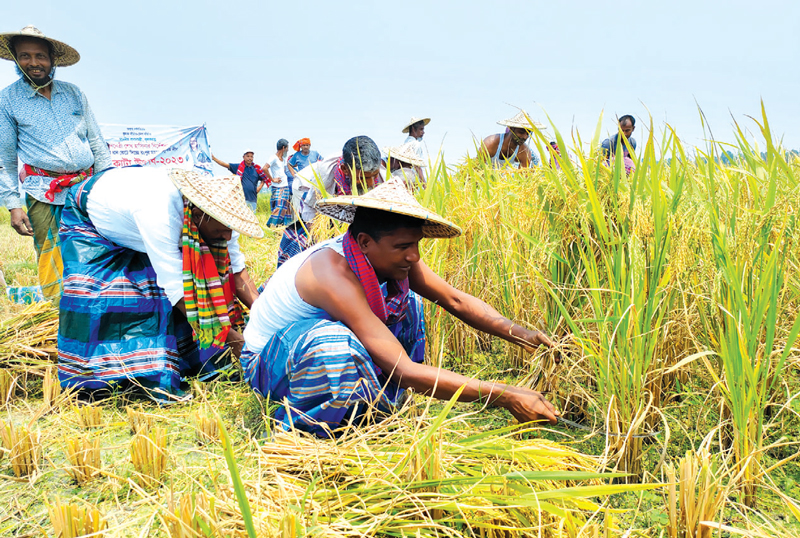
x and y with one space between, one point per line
152 288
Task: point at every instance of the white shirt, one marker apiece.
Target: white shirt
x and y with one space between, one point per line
280 304
417 145
277 171
141 209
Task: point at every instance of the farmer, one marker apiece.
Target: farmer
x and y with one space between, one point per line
303 156
152 274
416 130
509 147
279 201
360 160
627 124
404 163
253 178
340 327
48 125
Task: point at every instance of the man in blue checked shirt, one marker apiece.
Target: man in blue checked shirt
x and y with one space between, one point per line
48 125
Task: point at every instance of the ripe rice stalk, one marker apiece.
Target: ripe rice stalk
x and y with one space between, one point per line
8 385
138 420
75 520
193 516
28 338
149 456
51 388
207 428
84 459
89 416
23 448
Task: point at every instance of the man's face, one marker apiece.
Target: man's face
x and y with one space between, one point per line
193 144
211 230
248 158
394 254
519 135
417 130
33 57
627 128
363 181
305 148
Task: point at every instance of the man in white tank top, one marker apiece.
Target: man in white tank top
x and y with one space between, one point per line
340 327
510 147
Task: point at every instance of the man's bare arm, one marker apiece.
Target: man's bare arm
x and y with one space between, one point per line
326 281
246 289
221 163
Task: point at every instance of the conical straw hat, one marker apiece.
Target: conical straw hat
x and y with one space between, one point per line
393 197
220 197
406 153
63 54
414 120
522 121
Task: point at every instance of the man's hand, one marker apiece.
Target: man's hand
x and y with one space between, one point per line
20 222
235 341
528 406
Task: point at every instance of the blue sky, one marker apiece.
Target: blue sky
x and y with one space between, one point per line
258 71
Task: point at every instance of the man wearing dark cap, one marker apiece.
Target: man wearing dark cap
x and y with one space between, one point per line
48 125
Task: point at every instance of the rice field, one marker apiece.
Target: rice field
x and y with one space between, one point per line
672 294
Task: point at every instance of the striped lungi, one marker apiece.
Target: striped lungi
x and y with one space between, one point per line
323 372
280 204
45 220
294 241
116 325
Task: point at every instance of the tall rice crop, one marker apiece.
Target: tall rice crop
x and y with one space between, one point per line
751 233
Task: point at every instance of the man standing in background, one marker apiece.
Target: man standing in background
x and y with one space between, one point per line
302 157
416 130
253 178
48 125
280 200
627 124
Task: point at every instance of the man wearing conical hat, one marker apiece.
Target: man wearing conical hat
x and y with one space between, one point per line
403 162
416 131
153 278
357 169
340 328
510 148
48 125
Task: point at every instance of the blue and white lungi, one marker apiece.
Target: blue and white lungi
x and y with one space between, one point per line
116 325
323 372
281 207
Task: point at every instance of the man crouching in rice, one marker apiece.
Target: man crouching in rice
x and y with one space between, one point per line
340 327
152 274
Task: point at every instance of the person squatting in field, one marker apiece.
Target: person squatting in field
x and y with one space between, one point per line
153 276
48 125
340 328
358 169
510 148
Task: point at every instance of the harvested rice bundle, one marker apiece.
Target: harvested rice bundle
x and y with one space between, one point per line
138 420
149 456
73 520
89 416
8 385
23 448
84 459
207 428
32 333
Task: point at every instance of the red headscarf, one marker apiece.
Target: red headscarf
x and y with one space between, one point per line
301 142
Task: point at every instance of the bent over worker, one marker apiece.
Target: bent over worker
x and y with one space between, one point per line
153 277
340 327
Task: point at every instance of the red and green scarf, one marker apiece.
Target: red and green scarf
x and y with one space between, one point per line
209 290
390 309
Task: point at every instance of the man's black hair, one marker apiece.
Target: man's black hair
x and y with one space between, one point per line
628 117
363 153
417 125
19 38
377 223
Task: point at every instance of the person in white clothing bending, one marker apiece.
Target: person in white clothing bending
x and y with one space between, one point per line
153 277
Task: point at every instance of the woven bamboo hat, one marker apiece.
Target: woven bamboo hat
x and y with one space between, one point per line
522 121
393 197
414 120
406 153
220 197
63 54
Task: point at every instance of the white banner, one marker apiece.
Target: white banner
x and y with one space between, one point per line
159 145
